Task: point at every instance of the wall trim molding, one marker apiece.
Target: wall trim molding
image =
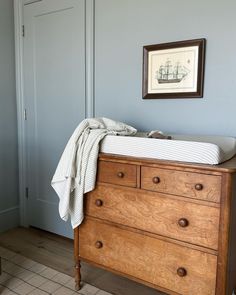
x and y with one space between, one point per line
89 57
9 210
18 21
9 218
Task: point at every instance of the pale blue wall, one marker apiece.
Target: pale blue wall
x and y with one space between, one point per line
122 27
8 124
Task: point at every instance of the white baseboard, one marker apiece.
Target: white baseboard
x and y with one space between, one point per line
9 218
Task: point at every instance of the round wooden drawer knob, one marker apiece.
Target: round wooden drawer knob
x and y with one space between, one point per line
98 202
156 179
183 222
198 186
182 272
120 174
98 244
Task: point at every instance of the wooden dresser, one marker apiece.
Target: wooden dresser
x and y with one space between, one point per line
169 225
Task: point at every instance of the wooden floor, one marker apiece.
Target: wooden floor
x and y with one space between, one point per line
57 252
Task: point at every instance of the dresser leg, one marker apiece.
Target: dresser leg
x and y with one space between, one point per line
77 276
77 259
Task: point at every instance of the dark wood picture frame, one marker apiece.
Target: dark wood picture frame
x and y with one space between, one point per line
163 79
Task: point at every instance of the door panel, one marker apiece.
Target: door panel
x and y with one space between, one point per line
54 83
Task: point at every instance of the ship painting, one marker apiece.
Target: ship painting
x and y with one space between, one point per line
169 73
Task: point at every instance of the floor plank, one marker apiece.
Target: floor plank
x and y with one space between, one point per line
57 252
43 247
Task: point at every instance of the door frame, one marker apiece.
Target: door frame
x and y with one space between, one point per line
20 101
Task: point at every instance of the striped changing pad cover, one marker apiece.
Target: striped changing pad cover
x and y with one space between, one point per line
186 148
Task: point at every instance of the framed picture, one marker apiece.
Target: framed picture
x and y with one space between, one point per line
174 70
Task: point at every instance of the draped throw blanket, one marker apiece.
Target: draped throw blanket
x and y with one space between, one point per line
76 171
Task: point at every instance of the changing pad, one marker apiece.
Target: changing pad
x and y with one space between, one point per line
186 148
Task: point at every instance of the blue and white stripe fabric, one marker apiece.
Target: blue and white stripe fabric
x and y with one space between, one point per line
186 148
76 171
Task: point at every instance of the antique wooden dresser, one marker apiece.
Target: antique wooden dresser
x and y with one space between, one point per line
169 225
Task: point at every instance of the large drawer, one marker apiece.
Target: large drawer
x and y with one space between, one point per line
188 184
156 213
117 173
180 269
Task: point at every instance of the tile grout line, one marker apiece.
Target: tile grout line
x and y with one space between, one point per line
35 273
5 287
11 260
23 281
38 288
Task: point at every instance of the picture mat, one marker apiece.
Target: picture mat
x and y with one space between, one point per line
187 57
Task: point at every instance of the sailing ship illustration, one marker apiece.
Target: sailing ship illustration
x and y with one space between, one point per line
169 73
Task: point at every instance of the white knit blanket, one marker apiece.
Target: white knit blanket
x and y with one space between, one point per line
76 171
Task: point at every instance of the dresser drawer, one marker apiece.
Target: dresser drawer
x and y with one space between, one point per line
156 213
177 268
187 184
117 173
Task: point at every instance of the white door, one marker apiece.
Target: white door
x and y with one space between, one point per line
54 89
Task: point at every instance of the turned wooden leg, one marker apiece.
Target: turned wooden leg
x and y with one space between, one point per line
77 276
77 260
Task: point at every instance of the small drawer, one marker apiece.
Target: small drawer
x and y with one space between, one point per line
177 268
117 173
188 184
156 213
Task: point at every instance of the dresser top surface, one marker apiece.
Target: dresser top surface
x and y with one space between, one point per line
227 166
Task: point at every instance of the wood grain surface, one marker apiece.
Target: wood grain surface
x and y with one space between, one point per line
182 183
149 259
170 225
117 173
156 213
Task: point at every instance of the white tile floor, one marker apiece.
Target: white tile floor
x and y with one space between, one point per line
23 276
